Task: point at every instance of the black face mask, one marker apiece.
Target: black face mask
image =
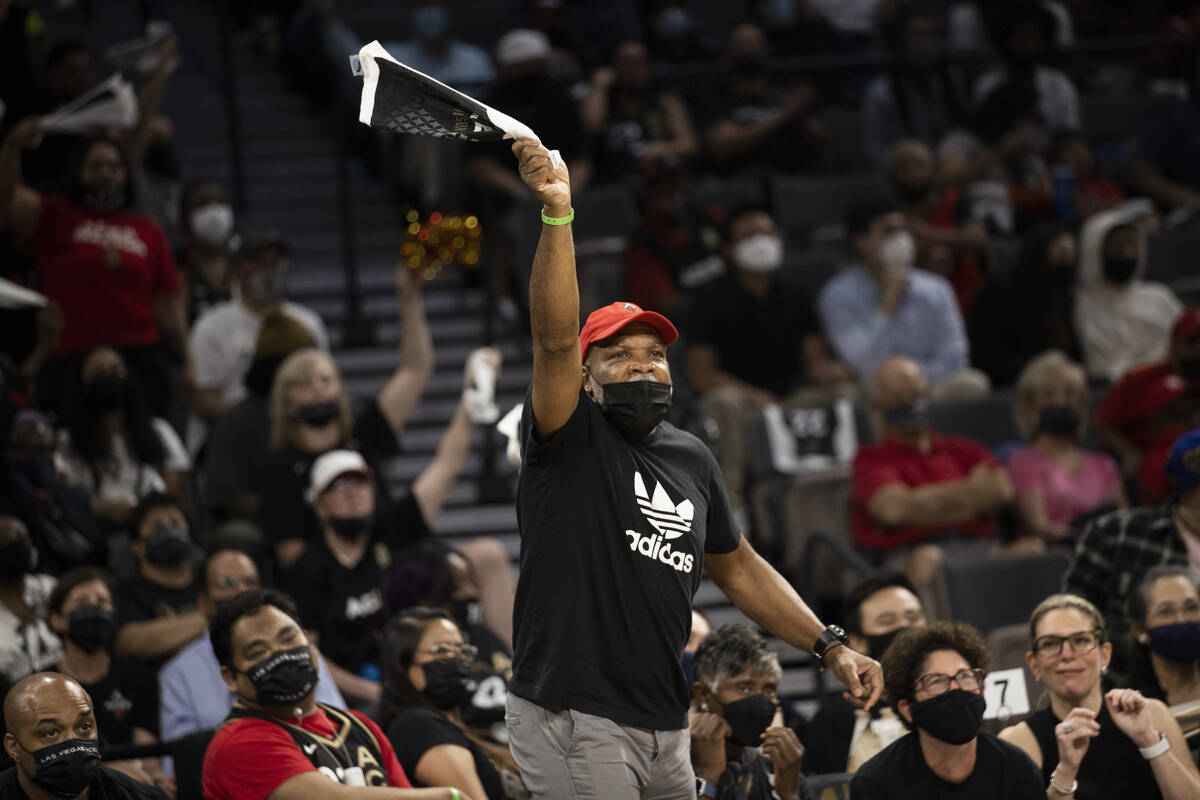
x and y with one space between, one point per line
106 391
1189 369
1063 273
750 66
91 628
953 717
17 558
67 768
748 718
912 193
908 419
104 199
1059 421
1120 271
349 528
636 407
168 547
283 678
878 643
39 471
318 415
267 285
261 375
445 683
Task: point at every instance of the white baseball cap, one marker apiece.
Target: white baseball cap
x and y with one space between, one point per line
331 466
521 45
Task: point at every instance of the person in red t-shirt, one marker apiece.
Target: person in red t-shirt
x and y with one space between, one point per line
109 268
1151 406
916 485
278 742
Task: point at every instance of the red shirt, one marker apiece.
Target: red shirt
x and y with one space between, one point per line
250 758
889 462
1132 403
961 269
104 270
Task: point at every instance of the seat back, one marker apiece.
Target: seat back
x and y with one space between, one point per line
985 419
989 593
832 786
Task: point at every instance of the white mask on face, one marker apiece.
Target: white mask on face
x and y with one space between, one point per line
762 252
212 224
898 251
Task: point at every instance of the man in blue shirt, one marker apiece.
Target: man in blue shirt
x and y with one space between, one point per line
882 306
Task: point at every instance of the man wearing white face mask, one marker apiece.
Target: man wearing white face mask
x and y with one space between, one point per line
881 306
754 339
222 340
206 221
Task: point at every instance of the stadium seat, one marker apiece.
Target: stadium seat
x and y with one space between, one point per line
833 786
816 205
726 195
1116 117
1171 259
987 419
989 593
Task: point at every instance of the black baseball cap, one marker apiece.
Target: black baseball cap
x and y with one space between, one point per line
250 243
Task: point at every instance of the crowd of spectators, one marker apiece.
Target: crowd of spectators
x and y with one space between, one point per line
177 432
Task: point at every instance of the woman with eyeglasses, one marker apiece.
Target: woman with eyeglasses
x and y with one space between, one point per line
1089 743
1164 655
934 676
425 657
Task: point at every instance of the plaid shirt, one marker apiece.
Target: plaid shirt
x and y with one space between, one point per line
1114 552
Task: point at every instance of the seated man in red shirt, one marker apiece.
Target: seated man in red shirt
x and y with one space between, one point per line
278 742
1151 406
916 487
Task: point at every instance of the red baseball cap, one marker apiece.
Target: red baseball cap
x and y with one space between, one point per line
1187 326
607 320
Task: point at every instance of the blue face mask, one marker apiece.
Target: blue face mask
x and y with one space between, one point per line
1177 642
431 22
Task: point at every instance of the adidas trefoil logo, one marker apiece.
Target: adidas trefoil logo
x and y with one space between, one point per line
670 520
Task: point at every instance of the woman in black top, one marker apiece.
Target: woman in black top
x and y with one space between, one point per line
1087 743
1163 660
425 657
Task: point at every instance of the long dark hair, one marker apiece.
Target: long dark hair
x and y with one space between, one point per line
75 190
401 636
90 438
1138 665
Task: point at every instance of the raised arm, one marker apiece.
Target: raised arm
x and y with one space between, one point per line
137 139
20 206
401 394
553 294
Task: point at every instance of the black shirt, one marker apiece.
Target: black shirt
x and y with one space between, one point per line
1111 767
613 537
759 342
345 605
126 698
1002 771
237 453
107 785
416 731
828 735
139 600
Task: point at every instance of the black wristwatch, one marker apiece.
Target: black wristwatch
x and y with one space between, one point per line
829 638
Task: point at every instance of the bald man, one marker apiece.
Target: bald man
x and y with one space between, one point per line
916 489
53 739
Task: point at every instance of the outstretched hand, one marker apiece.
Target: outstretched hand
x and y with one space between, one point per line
861 674
545 175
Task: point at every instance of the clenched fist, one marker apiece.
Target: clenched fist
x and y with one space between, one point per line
546 175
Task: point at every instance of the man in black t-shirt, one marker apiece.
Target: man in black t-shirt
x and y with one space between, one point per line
617 510
935 677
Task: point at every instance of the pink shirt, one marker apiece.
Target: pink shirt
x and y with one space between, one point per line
1066 495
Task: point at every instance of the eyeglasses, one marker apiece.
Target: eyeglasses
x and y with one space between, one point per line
234 582
464 652
1188 609
936 683
1082 642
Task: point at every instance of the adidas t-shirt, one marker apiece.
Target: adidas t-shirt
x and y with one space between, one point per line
613 537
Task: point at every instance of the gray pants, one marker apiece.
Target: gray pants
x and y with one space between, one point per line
567 754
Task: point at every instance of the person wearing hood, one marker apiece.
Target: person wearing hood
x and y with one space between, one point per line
1163 660
1122 320
755 340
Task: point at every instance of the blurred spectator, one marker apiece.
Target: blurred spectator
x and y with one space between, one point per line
206 222
222 342
434 50
1085 192
949 243
83 613
27 643
934 677
921 95
674 35
841 738
751 127
58 517
1143 414
18 86
795 28
1163 658
310 414
425 661
1116 550
1055 479
109 269
735 747
193 696
851 19
1089 738
1166 165
1025 35
1122 320
880 306
634 122
240 438
917 488
996 160
754 340
157 606
111 446
1029 310
278 733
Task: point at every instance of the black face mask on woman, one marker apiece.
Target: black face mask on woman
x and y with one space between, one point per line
1120 271
953 717
636 407
749 718
91 628
1059 421
445 683
318 415
283 678
67 768
106 391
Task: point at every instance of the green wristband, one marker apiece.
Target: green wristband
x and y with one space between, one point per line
556 221
455 794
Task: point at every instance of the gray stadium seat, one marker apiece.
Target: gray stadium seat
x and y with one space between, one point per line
989 593
987 419
1171 259
834 786
816 205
